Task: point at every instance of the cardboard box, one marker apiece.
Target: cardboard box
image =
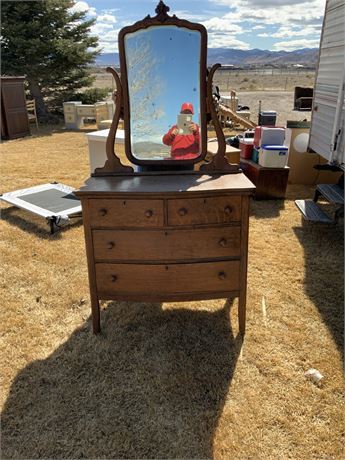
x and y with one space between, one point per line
301 162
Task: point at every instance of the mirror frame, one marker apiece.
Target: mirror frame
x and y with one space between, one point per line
163 19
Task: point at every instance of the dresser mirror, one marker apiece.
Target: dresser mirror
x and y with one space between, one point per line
164 95
163 76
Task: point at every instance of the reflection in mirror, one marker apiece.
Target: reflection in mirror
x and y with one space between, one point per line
163 68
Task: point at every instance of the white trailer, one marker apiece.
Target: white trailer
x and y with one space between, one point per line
327 137
328 112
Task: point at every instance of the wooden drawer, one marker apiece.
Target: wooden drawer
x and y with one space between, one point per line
126 213
204 243
163 279
204 210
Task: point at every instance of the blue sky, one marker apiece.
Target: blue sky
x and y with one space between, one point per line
243 24
161 79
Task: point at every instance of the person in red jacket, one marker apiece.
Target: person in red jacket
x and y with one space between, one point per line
184 146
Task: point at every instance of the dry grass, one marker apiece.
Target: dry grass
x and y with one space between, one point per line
170 380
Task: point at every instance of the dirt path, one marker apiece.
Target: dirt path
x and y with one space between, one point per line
279 101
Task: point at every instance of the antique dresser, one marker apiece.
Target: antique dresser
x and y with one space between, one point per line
163 231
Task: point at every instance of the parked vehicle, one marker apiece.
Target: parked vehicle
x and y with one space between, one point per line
327 136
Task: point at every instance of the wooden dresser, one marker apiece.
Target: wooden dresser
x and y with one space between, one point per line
166 238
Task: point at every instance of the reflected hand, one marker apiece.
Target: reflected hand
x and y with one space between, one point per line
193 128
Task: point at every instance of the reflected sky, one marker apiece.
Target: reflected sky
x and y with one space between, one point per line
163 66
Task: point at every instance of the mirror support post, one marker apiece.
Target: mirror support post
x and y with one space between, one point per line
113 163
219 162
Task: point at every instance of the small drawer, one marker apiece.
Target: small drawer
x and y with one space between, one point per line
167 279
205 243
204 210
126 213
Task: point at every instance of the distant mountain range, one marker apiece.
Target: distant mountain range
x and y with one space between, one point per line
241 58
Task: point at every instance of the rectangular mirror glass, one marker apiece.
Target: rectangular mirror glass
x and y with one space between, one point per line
163 72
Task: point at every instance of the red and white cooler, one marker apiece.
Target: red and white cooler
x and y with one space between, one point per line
269 135
246 147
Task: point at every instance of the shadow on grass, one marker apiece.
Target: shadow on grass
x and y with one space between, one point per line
266 209
152 385
36 225
324 273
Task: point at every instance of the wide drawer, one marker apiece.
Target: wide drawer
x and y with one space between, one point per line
204 210
163 279
126 213
204 243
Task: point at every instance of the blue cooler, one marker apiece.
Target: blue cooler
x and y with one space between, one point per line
273 156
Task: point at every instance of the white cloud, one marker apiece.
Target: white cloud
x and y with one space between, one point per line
286 32
190 16
100 28
222 25
219 40
109 18
81 7
273 12
296 44
258 27
221 34
108 40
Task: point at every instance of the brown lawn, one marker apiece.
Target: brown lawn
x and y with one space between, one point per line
165 380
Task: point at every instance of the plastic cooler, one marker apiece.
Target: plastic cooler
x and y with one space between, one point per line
266 135
273 156
267 118
246 147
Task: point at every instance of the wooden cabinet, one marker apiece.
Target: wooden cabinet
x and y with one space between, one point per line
166 238
14 117
270 183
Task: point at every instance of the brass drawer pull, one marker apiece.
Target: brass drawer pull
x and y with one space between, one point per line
221 275
113 278
149 213
228 209
103 212
223 242
111 245
182 211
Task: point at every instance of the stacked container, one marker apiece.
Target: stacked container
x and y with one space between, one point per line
246 144
269 149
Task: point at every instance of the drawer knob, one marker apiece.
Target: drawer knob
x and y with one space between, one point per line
149 213
103 212
223 242
221 275
228 209
182 211
113 278
111 245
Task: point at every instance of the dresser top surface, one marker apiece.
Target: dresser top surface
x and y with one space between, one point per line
167 183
